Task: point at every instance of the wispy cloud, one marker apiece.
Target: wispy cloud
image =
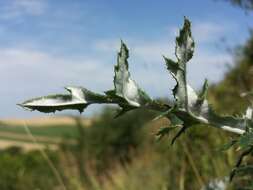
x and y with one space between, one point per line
204 33
17 8
208 31
41 73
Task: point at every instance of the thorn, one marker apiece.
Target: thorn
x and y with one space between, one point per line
81 110
182 130
21 105
239 161
232 174
119 113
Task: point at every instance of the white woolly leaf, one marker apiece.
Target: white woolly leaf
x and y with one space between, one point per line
126 87
77 99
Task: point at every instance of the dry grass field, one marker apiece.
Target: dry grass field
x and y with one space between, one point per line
48 131
45 121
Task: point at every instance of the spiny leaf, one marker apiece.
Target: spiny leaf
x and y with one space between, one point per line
125 87
224 121
246 140
184 51
172 66
78 99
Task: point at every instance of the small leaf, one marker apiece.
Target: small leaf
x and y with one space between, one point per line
198 105
246 140
202 95
171 65
185 43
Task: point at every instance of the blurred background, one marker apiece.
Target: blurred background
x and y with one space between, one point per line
46 45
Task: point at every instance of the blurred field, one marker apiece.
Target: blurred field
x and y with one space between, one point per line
44 121
111 154
49 132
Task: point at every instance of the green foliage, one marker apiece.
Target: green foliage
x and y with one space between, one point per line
236 87
46 131
111 140
122 154
22 171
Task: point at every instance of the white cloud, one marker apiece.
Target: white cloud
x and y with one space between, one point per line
21 57
108 45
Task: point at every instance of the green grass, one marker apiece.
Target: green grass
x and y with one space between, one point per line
47 131
28 140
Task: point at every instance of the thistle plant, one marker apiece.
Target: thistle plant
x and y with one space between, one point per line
188 109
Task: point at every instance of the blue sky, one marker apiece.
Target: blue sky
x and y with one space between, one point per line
48 44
